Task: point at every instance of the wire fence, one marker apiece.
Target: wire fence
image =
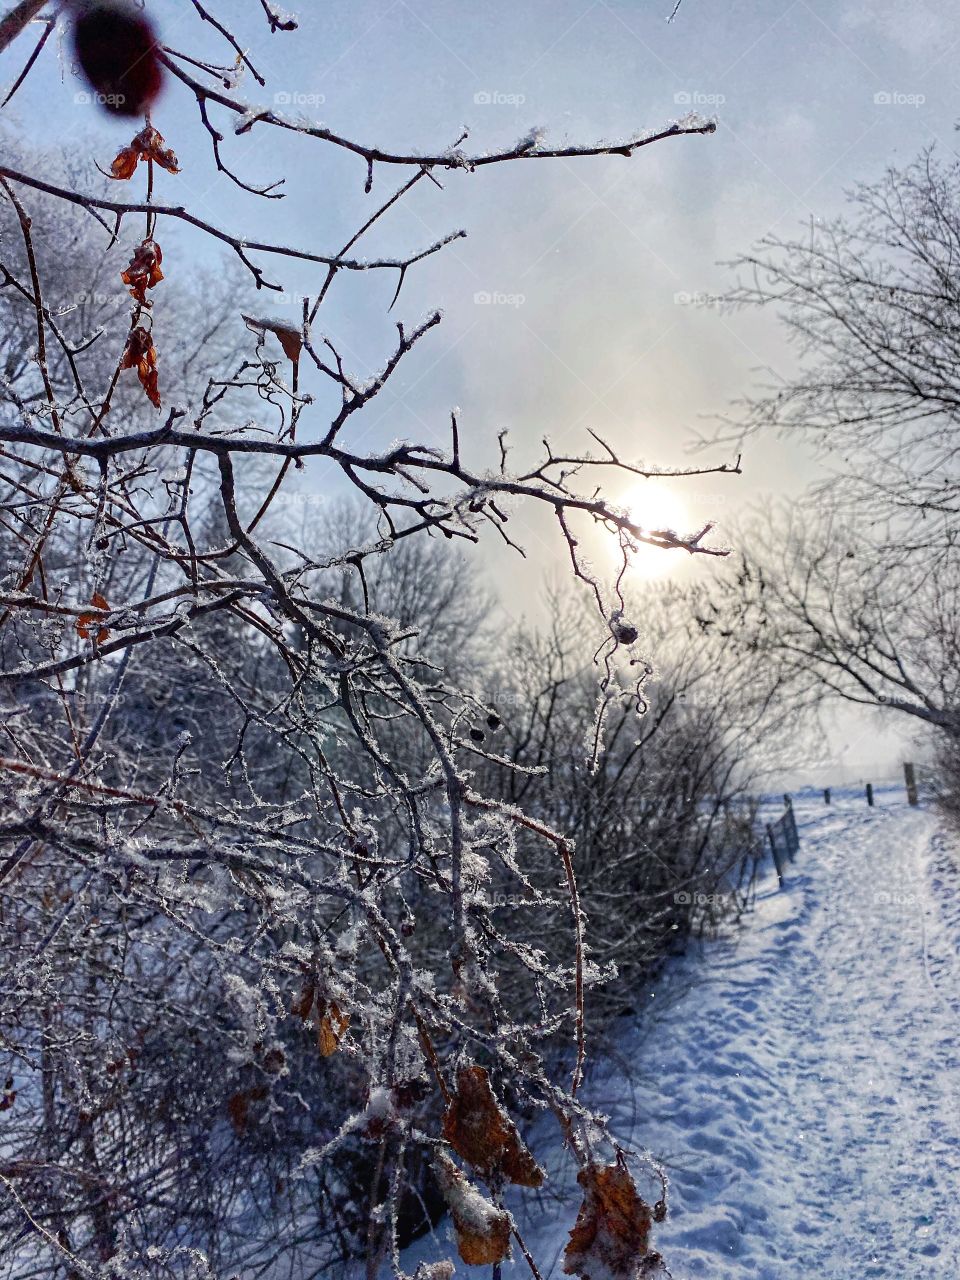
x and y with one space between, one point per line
918 782
784 838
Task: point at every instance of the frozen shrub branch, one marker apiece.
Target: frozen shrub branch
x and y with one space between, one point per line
246 847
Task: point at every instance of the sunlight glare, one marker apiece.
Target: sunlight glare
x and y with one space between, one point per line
655 506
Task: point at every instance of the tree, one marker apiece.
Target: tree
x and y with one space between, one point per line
871 302
853 592
837 616
238 873
663 826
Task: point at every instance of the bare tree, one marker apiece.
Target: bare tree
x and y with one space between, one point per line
838 615
871 302
266 841
853 591
664 825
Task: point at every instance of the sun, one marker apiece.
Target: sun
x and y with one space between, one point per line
654 506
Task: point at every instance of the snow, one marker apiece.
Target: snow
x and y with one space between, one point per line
799 1080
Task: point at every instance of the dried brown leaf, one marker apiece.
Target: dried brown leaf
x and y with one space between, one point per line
331 1024
144 270
288 335
482 1133
434 1271
611 1237
483 1230
141 354
88 624
147 145
238 1106
124 164
152 147
304 1002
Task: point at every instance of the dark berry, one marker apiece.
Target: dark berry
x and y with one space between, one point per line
116 47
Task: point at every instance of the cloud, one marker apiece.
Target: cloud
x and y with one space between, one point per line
925 32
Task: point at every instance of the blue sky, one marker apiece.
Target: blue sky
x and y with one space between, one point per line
601 270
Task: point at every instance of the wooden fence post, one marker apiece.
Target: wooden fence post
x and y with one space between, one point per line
793 837
910 777
870 794
776 854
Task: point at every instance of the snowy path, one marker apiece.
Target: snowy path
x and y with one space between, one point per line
805 1099
808 1099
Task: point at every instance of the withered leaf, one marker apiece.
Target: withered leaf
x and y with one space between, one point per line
274 1060
144 270
147 145
611 1237
304 1002
331 1024
88 624
482 1133
124 164
434 1271
483 1230
152 148
288 335
141 354
238 1109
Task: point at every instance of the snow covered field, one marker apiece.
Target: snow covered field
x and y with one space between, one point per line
803 1093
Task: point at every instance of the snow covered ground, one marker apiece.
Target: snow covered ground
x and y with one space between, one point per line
803 1093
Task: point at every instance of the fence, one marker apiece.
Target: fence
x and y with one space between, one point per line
910 782
784 838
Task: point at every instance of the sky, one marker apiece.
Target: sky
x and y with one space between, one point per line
584 295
